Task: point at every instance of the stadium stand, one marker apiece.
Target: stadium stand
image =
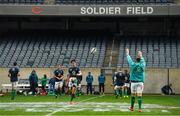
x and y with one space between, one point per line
85 1
47 51
159 52
111 1
51 50
21 1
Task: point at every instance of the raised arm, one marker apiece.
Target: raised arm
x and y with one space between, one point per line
129 59
142 61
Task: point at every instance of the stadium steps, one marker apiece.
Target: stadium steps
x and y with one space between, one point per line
108 53
115 53
41 51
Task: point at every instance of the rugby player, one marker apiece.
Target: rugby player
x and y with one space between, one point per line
126 85
13 75
119 83
137 74
74 72
58 75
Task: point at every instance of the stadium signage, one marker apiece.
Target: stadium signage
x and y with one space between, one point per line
129 10
100 10
139 10
36 10
90 10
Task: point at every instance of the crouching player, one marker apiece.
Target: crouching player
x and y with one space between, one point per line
119 83
137 72
58 75
74 72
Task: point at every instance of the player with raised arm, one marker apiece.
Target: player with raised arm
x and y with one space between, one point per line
58 75
13 75
137 74
74 72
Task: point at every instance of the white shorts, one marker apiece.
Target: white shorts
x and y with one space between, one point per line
126 84
118 87
79 85
14 84
71 83
58 84
137 87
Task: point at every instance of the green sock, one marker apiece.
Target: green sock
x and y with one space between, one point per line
125 91
13 93
72 97
121 92
56 92
60 92
117 92
132 101
114 92
78 92
139 101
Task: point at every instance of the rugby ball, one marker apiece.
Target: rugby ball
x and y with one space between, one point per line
93 50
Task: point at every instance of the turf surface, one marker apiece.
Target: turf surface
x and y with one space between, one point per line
87 105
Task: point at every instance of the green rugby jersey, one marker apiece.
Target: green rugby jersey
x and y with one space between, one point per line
137 70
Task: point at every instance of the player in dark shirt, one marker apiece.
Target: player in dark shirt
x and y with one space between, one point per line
126 85
51 86
13 75
119 83
33 80
74 73
58 75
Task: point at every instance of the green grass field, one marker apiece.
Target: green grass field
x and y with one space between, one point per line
87 105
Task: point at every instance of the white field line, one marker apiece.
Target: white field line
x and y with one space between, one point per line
52 113
90 98
78 102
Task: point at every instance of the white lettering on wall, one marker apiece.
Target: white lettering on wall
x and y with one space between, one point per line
129 10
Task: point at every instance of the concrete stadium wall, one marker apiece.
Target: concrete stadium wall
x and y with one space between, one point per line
174 79
155 79
25 72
